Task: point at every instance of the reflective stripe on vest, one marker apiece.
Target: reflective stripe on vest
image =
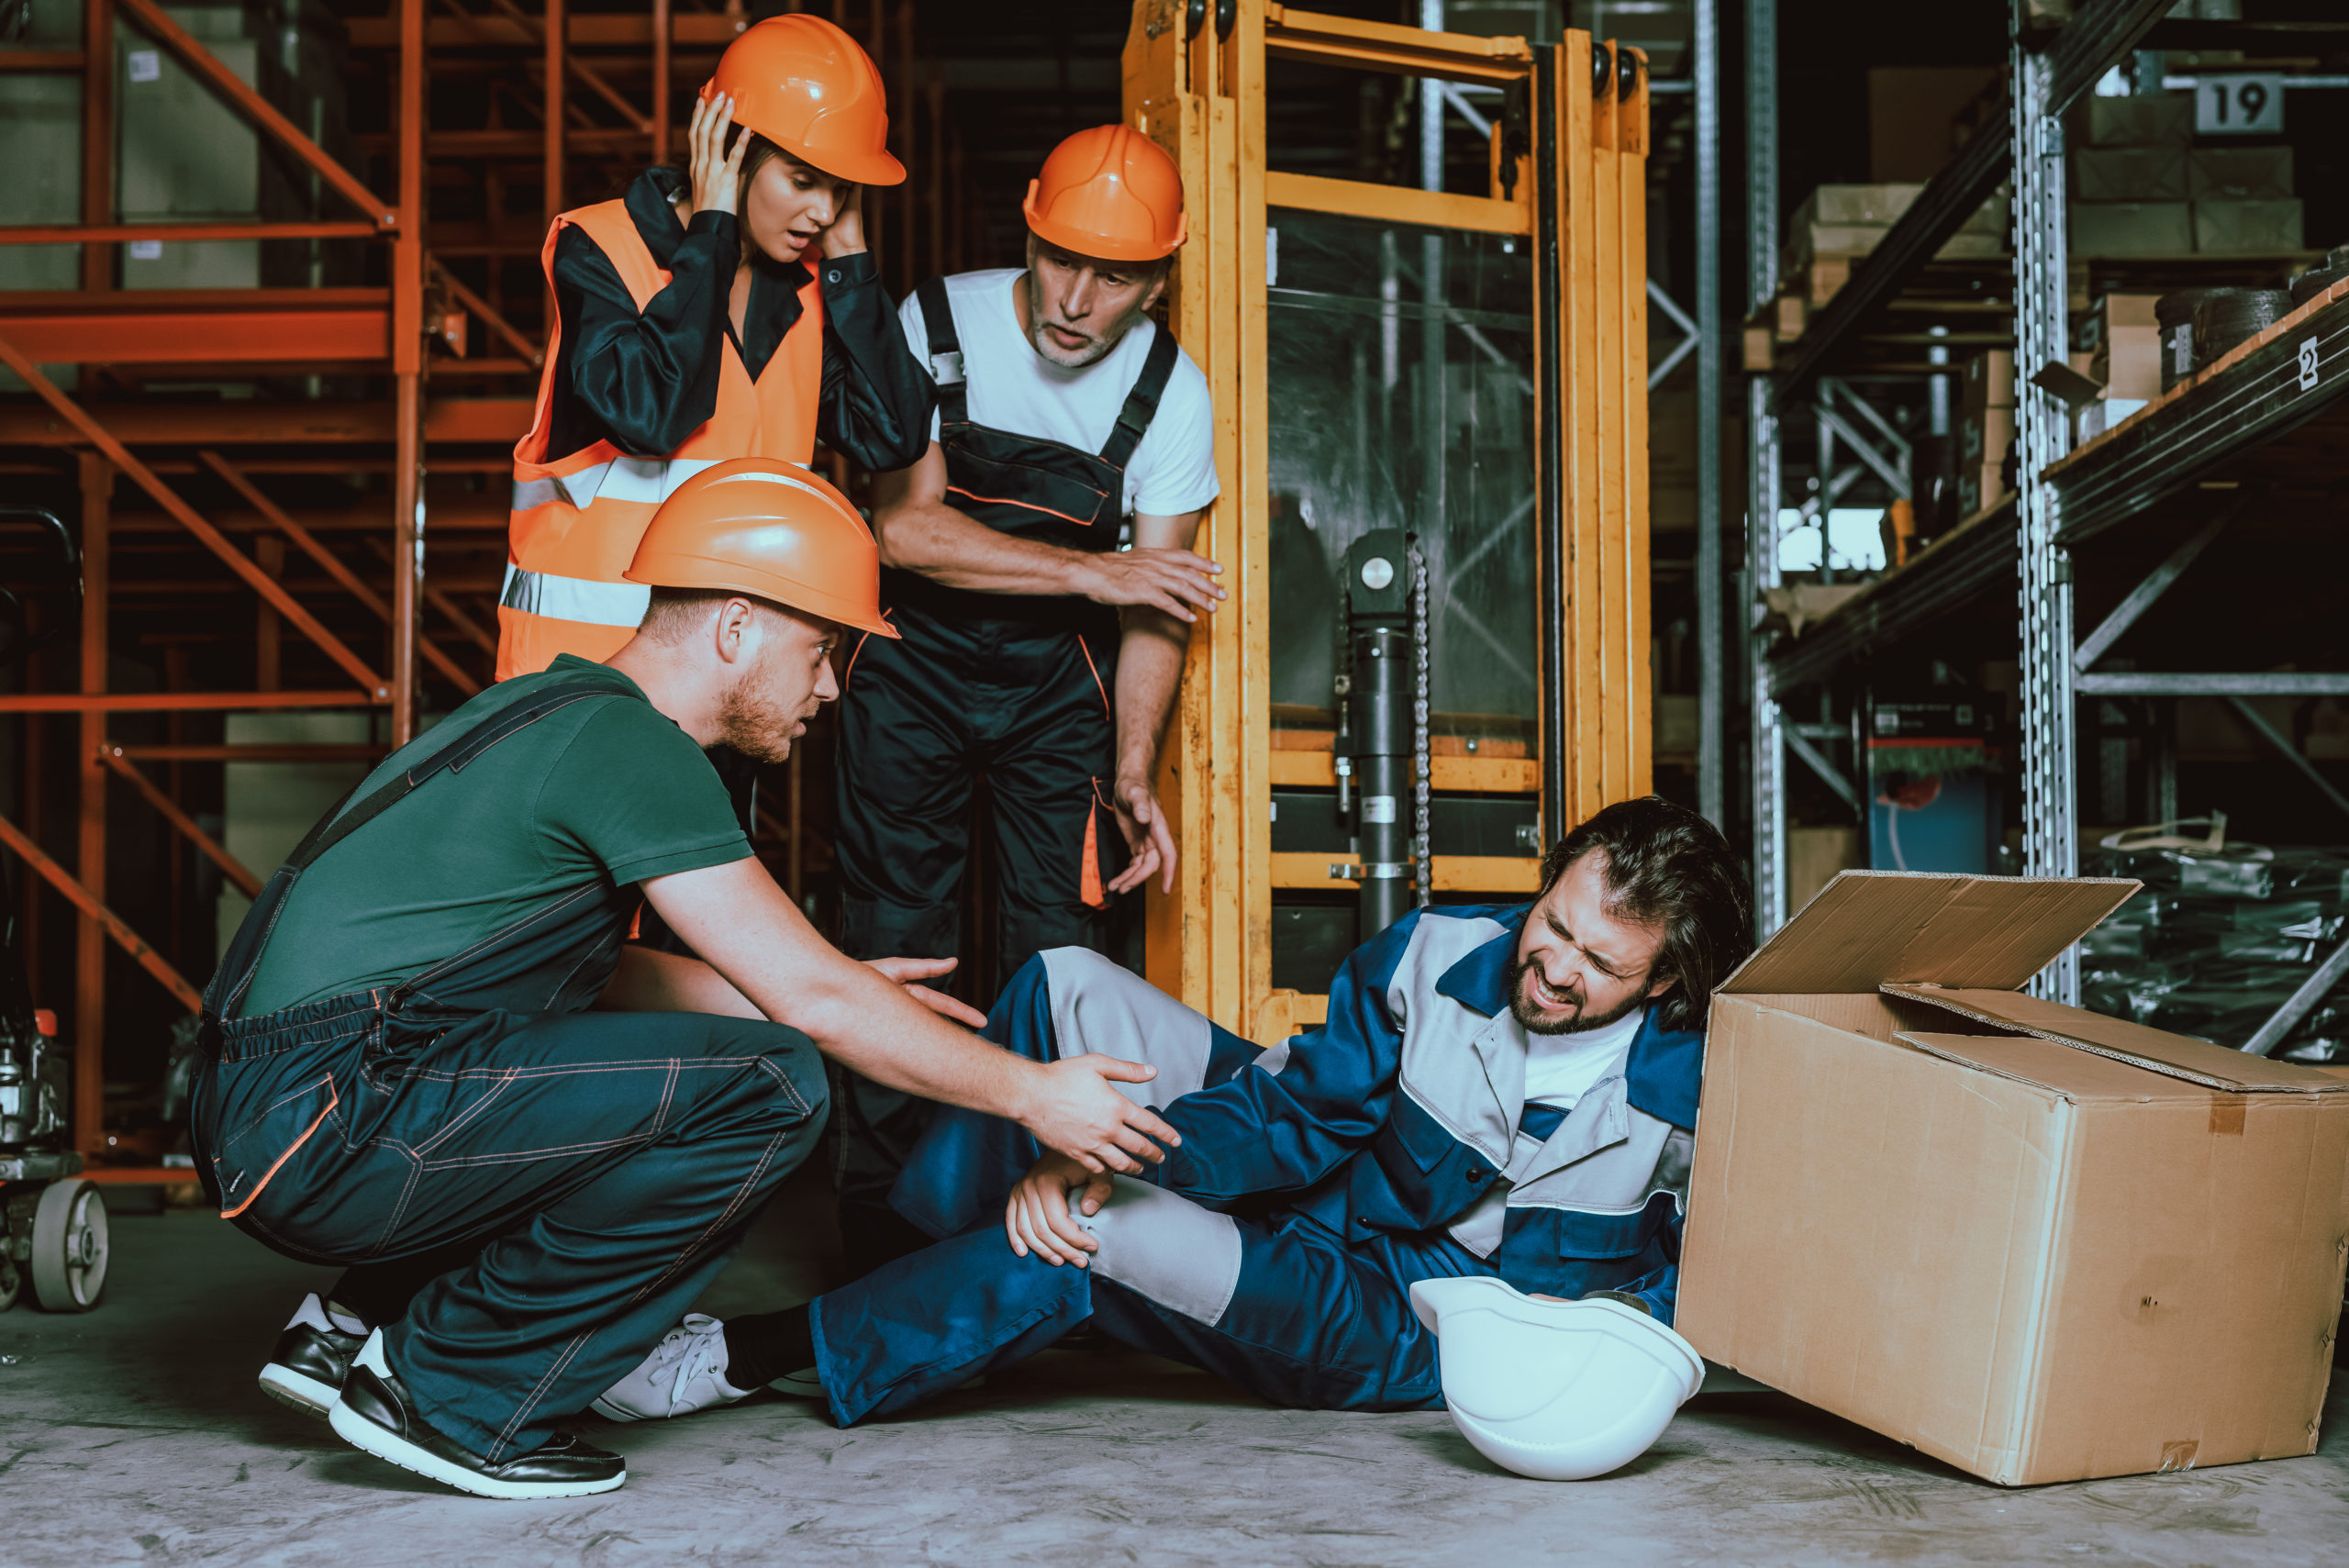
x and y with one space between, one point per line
574 599
575 522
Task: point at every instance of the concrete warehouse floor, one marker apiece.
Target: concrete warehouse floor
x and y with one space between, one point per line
134 1434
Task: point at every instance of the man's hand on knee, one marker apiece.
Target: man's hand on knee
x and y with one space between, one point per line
1038 1218
1073 1108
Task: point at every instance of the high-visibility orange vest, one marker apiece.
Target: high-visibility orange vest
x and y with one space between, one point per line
576 521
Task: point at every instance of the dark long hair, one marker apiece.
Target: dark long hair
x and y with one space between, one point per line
1667 866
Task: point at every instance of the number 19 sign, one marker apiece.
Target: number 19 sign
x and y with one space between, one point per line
2239 105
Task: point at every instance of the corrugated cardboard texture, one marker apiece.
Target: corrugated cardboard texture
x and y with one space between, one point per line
2197 1287
1869 927
2196 1061
1869 1230
2035 1262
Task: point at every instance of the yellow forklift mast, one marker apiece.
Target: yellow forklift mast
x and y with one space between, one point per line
1432 430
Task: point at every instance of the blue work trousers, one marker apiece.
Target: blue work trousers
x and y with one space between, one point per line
1277 1303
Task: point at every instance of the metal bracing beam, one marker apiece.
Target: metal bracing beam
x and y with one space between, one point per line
91 905
1689 335
151 19
212 539
2291 753
490 317
1836 389
2241 683
2301 1003
235 870
1800 744
1894 475
2156 582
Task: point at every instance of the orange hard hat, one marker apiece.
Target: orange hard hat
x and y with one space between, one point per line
805 85
1109 191
770 529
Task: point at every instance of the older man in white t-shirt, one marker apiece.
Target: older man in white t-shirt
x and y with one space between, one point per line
1037 565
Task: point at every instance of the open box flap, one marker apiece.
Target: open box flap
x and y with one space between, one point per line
2172 1055
2048 1065
1869 928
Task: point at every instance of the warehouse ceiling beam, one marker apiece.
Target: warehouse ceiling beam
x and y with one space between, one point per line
213 540
152 21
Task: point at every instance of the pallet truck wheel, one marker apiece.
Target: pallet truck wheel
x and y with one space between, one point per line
70 1246
12 1283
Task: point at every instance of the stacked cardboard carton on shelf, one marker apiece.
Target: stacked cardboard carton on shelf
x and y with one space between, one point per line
2142 187
1838 227
2120 350
2035 1242
2221 937
1985 429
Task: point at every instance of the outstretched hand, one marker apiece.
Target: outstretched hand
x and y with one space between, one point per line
1074 1108
907 971
1148 839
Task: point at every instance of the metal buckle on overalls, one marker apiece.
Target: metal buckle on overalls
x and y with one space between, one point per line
946 369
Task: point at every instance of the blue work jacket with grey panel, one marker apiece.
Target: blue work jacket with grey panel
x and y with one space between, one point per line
1406 1112
1316 1181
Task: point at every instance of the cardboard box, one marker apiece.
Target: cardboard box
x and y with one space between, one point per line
2129 363
2131 229
2129 174
1989 381
1846 221
2227 227
2239 172
2157 119
1814 857
2034 1242
1983 436
1980 488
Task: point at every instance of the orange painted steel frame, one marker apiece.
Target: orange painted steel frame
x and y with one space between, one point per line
1201 95
381 329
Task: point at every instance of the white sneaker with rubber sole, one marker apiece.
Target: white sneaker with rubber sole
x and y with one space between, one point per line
685 1373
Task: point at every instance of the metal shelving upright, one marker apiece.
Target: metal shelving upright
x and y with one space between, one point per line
2254 441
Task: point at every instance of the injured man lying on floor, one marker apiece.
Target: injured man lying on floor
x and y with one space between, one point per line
1501 1091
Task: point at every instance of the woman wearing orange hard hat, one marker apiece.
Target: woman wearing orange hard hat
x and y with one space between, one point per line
728 309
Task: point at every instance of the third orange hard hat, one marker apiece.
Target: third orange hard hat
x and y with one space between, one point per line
769 530
1109 191
807 86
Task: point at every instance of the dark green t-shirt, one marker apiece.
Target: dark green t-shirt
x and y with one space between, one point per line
600 789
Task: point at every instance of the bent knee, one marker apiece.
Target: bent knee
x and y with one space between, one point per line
1163 1246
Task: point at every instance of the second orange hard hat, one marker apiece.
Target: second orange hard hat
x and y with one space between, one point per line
807 86
1108 192
769 530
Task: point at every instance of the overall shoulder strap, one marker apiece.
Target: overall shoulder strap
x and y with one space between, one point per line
340 824
1141 403
945 360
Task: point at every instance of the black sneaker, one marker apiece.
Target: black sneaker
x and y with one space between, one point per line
306 1369
376 1415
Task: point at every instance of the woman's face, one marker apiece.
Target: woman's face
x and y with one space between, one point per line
787 206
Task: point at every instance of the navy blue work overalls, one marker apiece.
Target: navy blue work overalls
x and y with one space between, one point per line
1013 687
528 1194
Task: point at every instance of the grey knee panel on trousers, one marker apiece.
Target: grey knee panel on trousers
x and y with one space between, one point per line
1163 1246
1101 1008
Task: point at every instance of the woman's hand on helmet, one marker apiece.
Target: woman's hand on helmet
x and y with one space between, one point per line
716 173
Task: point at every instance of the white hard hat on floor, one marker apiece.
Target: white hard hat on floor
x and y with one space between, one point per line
1557 1390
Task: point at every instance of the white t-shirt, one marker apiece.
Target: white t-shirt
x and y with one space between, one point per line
1561 1068
1010 386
